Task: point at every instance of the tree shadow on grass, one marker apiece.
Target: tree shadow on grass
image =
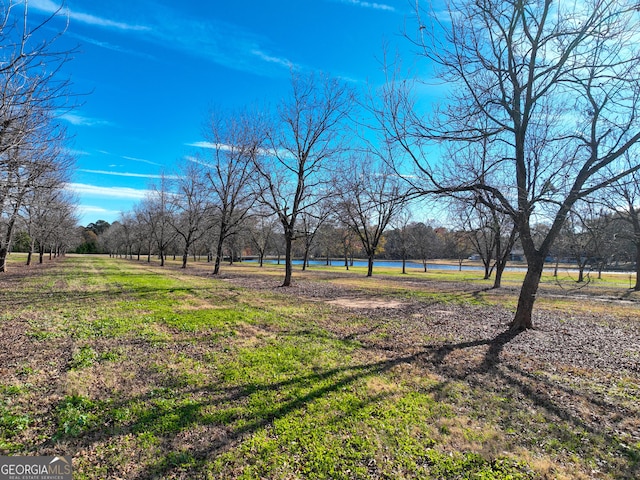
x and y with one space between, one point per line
167 420
572 418
232 424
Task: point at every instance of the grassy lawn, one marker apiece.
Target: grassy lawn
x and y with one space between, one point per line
142 372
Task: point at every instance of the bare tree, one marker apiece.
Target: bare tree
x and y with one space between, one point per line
145 224
235 142
292 173
399 240
157 216
48 215
475 219
370 195
491 233
261 232
34 177
424 243
31 95
311 221
62 216
625 202
348 241
131 234
555 86
191 208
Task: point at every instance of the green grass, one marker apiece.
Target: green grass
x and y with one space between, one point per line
157 373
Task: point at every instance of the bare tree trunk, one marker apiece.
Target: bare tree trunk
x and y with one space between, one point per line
522 319
3 258
218 256
370 266
487 270
288 267
4 250
30 254
502 256
497 282
305 260
581 267
637 285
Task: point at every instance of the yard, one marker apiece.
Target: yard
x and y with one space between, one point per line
138 371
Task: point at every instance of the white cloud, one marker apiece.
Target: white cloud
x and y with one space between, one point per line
109 46
76 153
209 38
128 174
109 192
91 209
81 120
275 60
51 7
374 5
171 28
141 160
197 161
211 146
228 148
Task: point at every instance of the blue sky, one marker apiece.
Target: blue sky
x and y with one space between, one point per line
153 69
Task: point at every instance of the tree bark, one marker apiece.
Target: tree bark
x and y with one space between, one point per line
305 260
218 257
3 259
581 268
4 250
497 282
370 266
522 319
487 271
288 267
637 285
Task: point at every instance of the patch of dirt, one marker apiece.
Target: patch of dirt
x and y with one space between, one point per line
365 302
